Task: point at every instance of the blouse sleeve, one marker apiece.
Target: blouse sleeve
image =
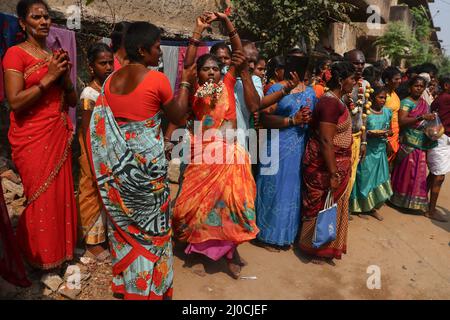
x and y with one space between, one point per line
165 89
13 60
406 105
328 110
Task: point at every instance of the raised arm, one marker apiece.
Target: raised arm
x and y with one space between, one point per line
177 109
195 40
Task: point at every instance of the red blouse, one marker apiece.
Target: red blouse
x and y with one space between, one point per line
144 101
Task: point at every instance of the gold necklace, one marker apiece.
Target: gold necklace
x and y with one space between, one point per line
37 51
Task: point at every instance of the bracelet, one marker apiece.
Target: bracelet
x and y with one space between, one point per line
419 118
194 42
291 121
233 33
186 85
196 32
364 143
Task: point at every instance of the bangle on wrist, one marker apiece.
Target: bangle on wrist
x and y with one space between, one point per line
194 42
291 121
233 33
196 32
186 85
364 143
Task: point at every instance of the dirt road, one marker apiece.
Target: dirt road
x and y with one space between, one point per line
412 254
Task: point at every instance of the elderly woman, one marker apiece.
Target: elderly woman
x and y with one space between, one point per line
327 164
39 89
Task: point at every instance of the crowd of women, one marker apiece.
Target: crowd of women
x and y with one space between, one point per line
362 141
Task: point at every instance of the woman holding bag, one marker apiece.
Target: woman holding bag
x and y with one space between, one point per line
327 164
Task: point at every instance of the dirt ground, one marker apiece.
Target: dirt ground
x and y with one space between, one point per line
411 251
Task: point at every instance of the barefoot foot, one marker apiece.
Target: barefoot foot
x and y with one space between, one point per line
435 216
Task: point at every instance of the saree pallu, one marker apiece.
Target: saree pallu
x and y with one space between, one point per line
216 200
11 264
91 218
130 168
41 141
409 178
316 183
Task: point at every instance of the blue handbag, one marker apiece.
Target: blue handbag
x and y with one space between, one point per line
325 229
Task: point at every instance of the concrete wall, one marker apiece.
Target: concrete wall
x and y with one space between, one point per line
174 16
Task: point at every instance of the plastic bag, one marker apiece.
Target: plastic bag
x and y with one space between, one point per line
434 129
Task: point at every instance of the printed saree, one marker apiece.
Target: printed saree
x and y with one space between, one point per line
130 168
215 208
316 183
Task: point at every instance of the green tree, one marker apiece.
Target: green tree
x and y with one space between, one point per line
413 44
282 24
397 42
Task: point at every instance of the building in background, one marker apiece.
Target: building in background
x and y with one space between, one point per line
341 37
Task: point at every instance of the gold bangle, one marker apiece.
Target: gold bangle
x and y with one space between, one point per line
196 32
186 85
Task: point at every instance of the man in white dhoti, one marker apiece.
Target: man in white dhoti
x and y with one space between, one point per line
439 157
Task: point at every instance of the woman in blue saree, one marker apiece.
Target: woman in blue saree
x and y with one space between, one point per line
278 200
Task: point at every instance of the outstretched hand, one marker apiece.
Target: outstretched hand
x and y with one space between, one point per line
202 23
215 16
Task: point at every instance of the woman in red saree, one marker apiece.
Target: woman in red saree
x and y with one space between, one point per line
37 87
327 164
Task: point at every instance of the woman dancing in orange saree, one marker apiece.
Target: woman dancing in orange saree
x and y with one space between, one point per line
215 211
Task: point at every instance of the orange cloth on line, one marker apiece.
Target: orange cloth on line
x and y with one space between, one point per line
393 103
144 101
